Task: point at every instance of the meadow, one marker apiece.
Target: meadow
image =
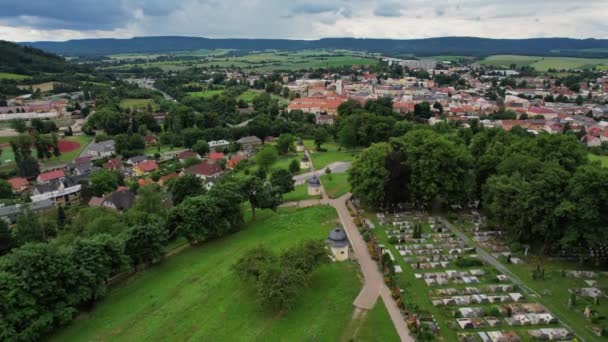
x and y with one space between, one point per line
9 76
300 193
543 63
335 184
265 61
195 295
138 104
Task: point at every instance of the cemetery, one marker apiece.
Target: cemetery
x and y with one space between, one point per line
445 283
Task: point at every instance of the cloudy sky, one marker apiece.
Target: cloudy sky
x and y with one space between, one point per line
31 20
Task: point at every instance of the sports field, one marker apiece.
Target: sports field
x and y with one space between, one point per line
544 63
196 296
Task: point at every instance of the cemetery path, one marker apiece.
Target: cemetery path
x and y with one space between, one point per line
487 257
335 167
374 283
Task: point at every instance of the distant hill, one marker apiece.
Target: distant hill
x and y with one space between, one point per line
469 46
26 60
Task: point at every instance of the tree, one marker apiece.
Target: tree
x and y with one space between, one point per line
266 157
145 243
186 186
18 125
104 181
282 180
253 263
61 217
347 135
437 106
150 199
6 239
320 137
294 166
28 229
201 147
285 143
279 287
261 194
368 175
306 256
422 110
349 107
191 136
6 191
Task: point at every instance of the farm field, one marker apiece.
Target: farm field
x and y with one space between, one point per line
196 295
10 76
266 61
543 63
137 104
335 184
601 159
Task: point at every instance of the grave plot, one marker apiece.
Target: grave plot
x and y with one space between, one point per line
467 299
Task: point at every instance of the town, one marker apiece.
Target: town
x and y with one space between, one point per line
367 197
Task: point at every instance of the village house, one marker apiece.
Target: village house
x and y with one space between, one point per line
218 145
249 142
55 176
102 149
205 170
145 167
185 155
19 184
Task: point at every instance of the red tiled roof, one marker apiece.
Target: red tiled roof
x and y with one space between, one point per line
205 169
216 155
51 175
165 178
541 110
147 165
82 160
96 201
113 164
17 183
187 154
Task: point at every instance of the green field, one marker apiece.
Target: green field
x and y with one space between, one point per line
196 296
137 104
375 326
264 61
9 76
8 157
299 194
543 63
335 184
206 93
601 159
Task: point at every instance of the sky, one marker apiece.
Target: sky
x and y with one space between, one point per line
58 20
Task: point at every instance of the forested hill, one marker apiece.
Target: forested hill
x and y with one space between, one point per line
469 46
27 60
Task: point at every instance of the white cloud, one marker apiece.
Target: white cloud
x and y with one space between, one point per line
308 19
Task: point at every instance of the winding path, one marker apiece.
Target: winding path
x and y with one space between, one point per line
373 285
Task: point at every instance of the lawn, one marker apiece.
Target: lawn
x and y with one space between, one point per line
335 184
322 159
206 93
138 104
196 296
299 194
375 326
543 63
601 159
151 150
9 76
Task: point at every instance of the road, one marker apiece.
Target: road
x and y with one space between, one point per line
336 167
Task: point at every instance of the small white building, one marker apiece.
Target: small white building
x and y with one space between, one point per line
338 242
300 146
305 162
314 186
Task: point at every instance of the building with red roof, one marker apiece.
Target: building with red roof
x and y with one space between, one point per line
235 160
216 156
204 170
185 155
19 184
113 164
144 167
51 176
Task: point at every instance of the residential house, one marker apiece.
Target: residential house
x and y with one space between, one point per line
150 140
185 155
235 160
145 167
136 160
102 149
19 184
60 196
249 142
591 141
121 199
114 164
166 178
218 145
205 170
216 156
81 166
325 119
54 176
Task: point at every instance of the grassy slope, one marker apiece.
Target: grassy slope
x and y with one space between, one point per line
335 184
195 295
601 159
376 326
300 193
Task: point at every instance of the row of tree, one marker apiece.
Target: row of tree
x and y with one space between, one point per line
542 190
